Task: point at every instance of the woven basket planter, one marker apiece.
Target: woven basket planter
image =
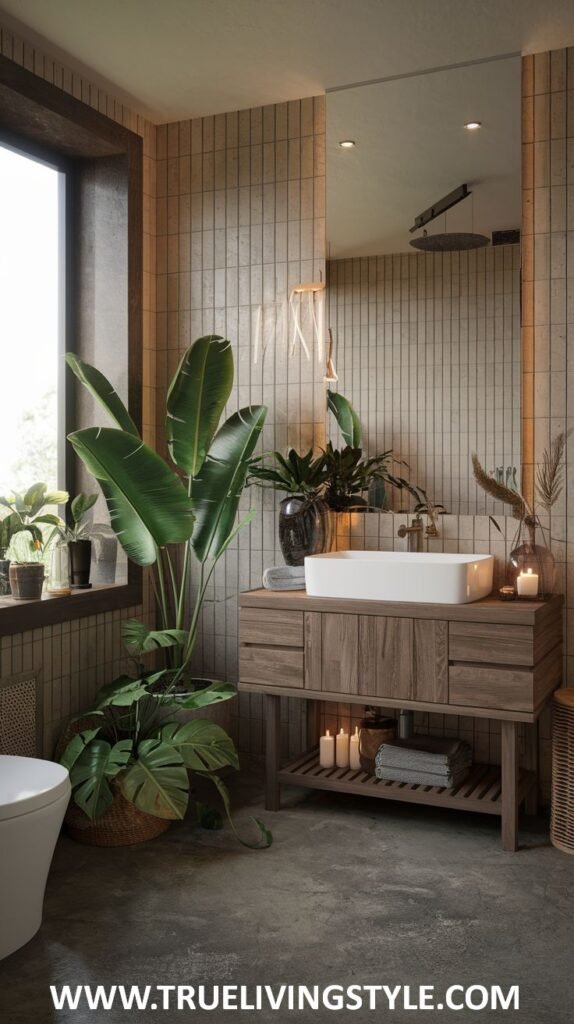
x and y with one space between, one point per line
562 816
121 825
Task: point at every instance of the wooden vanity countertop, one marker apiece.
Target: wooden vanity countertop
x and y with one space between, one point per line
490 609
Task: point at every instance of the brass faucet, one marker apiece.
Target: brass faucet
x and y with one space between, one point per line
413 533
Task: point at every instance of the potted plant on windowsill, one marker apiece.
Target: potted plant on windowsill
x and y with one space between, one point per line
27 514
78 539
177 519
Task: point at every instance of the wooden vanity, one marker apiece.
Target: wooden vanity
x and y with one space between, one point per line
490 659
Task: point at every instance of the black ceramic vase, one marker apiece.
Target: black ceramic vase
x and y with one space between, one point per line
80 562
303 527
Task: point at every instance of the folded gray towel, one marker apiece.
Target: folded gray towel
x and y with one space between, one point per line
424 760
284 577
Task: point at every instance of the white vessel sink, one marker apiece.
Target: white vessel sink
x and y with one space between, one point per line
400 576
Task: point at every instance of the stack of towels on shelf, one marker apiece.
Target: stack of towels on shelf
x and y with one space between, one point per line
284 577
425 761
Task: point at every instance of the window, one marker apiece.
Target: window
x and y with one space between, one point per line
32 321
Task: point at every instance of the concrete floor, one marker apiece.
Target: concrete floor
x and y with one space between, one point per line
352 891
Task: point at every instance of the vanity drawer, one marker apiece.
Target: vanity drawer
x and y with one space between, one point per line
503 644
270 626
505 689
271 666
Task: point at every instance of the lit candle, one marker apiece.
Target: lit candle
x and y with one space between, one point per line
342 749
527 584
327 750
354 759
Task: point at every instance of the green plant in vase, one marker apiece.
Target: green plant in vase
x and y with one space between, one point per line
529 558
28 515
178 518
303 515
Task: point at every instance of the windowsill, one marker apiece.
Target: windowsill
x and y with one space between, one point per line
18 616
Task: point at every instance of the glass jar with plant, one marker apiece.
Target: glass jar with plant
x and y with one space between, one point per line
28 515
528 557
178 519
303 514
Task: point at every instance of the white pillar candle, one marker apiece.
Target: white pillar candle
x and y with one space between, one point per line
342 749
527 584
354 759
327 750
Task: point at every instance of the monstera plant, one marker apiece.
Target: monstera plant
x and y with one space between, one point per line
177 517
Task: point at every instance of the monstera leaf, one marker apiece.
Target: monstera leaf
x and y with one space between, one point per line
203 745
139 639
97 763
157 782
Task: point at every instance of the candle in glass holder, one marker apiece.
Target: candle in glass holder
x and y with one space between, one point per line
342 749
527 584
327 750
354 759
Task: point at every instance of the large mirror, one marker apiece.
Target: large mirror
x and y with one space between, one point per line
427 336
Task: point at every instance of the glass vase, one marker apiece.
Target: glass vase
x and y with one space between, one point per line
531 566
304 528
59 578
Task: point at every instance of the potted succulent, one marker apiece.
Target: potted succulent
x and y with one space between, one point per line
27 514
177 517
303 515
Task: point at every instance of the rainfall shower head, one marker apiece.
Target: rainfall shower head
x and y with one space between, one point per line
450 241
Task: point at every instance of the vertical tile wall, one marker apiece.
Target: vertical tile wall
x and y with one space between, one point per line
427 348
548 293
240 220
75 658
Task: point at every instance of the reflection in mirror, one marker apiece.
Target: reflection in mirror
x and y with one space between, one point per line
427 343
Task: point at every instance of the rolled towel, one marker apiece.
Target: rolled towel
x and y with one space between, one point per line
284 577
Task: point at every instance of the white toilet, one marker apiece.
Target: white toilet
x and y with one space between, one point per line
34 795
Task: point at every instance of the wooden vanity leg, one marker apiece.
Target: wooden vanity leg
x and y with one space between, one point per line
509 767
313 723
272 748
531 763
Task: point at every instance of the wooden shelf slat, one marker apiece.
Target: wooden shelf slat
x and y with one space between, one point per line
480 792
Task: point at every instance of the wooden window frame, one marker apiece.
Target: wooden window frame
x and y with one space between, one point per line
42 120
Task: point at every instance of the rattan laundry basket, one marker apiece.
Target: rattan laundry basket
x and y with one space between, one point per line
562 816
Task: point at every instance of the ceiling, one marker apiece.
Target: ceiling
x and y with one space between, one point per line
412 149
174 59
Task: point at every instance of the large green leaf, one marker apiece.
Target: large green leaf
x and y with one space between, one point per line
212 694
139 639
196 400
157 782
217 490
101 389
266 839
76 746
148 504
89 776
204 746
122 692
346 417
82 504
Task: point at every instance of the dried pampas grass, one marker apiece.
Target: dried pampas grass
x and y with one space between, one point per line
550 473
499 492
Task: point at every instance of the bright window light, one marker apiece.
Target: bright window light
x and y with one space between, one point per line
31 321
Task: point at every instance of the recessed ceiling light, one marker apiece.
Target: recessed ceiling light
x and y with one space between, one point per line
472 126
347 144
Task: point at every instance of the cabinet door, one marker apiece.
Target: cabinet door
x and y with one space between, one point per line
403 658
331 652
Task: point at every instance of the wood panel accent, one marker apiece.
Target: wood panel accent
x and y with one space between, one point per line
386 657
313 651
502 643
271 626
431 660
271 666
340 653
490 609
272 750
403 658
